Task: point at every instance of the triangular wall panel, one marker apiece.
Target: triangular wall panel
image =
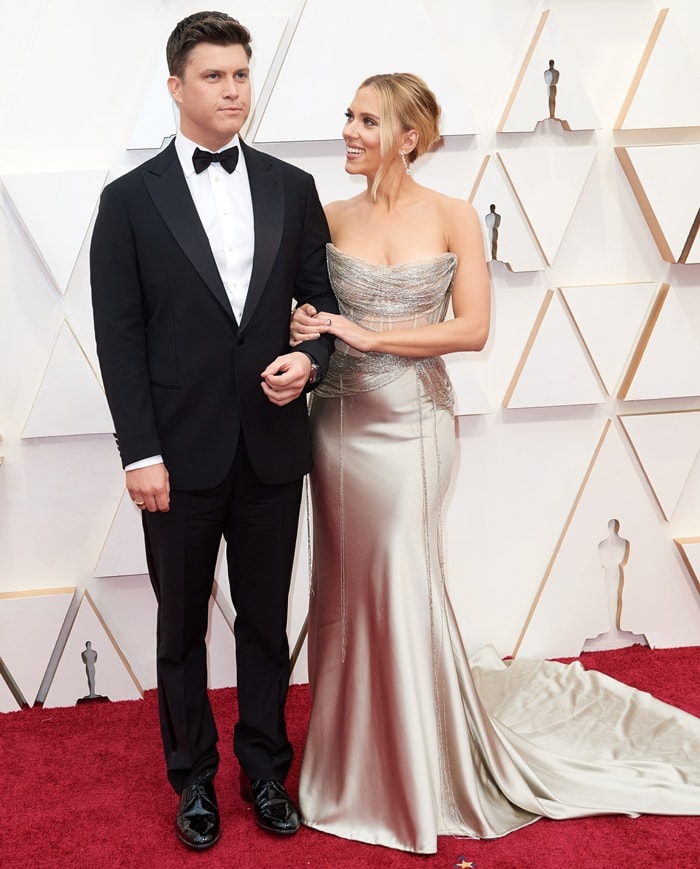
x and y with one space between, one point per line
8 703
113 676
666 363
70 400
689 549
346 38
548 182
667 445
123 553
610 319
46 201
664 91
691 252
158 118
666 184
129 605
571 605
548 64
515 244
30 624
268 32
554 369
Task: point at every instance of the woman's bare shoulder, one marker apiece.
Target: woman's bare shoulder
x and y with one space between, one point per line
339 206
341 210
448 207
452 205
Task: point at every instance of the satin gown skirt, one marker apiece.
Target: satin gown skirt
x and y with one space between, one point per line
406 741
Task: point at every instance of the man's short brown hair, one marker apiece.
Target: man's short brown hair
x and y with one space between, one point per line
217 28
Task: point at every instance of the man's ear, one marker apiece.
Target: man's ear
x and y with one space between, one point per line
175 88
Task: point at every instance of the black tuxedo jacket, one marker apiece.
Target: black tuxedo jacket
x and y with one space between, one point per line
182 377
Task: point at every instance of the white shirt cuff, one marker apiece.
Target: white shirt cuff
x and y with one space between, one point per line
144 463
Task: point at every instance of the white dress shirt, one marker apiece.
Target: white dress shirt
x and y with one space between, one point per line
225 208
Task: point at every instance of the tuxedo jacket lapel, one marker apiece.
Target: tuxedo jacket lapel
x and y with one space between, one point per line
167 187
268 215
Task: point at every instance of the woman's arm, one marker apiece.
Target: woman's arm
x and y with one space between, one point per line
471 302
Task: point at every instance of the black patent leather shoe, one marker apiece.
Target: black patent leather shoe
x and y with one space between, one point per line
197 823
275 810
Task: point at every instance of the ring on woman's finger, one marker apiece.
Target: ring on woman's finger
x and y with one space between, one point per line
140 503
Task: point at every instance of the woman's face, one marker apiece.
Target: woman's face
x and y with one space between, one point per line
362 134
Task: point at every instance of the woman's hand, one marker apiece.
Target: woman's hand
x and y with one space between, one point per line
350 333
304 325
307 325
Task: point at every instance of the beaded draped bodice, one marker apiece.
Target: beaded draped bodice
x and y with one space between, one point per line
383 297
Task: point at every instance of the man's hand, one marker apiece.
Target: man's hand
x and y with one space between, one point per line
284 379
149 488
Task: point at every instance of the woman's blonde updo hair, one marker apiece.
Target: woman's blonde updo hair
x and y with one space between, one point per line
405 103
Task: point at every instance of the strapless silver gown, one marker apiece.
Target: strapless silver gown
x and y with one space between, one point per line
408 740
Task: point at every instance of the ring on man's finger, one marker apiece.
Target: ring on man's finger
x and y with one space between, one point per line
330 322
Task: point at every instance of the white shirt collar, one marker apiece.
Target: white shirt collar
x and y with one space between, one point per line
185 149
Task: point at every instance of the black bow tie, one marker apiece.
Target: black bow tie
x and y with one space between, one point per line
227 158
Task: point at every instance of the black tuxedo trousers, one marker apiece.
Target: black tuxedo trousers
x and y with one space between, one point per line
259 525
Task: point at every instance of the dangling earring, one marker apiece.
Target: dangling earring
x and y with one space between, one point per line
405 163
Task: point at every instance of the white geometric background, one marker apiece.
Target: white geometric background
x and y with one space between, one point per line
579 424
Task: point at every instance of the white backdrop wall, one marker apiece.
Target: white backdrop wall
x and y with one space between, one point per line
574 515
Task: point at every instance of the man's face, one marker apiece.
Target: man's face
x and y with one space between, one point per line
213 94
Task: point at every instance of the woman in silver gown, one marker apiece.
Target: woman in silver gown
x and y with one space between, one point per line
408 739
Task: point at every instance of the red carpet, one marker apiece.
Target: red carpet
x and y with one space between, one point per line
84 788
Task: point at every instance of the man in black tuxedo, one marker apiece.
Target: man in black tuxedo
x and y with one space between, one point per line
195 264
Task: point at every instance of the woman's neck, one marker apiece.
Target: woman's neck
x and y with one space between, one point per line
394 187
